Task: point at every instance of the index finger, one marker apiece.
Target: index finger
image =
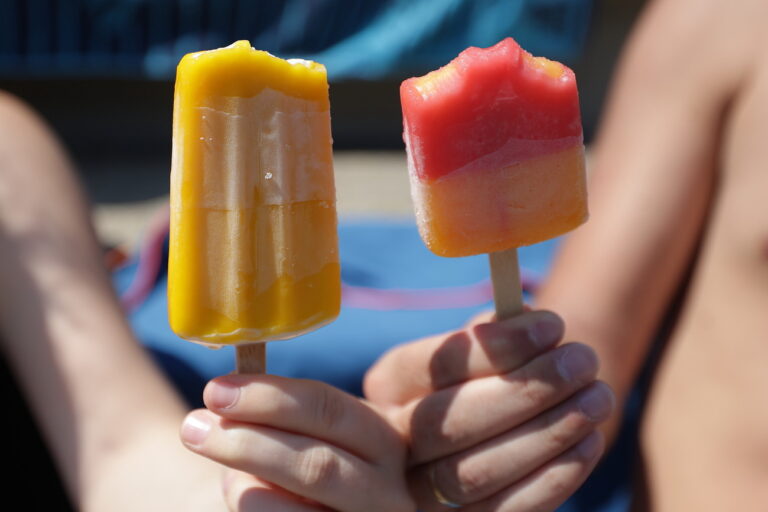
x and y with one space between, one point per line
308 408
479 350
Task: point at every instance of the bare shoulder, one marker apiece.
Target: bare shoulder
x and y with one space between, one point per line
703 48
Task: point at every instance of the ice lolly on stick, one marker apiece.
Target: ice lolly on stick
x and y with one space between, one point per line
496 157
253 244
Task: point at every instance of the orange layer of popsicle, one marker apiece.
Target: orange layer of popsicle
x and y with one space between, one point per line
473 212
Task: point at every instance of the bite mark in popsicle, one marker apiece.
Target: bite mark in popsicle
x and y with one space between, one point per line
495 151
253 245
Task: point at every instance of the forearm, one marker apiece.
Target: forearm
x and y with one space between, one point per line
62 328
652 175
614 280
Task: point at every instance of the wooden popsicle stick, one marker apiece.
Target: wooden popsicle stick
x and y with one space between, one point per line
251 358
507 290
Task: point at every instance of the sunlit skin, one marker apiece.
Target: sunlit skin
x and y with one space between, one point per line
678 198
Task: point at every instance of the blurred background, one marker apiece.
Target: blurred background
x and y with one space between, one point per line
101 72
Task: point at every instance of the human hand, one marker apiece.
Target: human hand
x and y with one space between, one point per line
298 445
497 417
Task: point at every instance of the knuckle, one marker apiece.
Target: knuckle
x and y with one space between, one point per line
445 366
560 437
564 427
329 409
237 450
318 467
558 483
531 388
431 425
473 480
269 401
506 348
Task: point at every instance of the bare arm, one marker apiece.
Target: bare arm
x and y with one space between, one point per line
653 175
110 418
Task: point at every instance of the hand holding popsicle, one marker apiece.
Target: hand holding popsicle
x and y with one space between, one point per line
497 418
288 441
502 420
517 178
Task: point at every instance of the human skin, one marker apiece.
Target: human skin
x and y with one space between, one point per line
108 415
111 419
66 339
293 444
496 415
677 189
499 416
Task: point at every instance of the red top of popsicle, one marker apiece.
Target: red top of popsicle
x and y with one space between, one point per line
488 108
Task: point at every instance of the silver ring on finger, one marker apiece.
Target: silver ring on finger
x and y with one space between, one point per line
439 496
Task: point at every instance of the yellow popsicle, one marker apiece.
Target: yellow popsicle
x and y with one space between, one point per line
253 243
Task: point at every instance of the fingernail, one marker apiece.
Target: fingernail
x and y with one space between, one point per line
577 363
546 331
597 402
222 395
195 428
589 447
